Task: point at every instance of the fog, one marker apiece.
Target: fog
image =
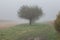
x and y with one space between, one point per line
9 8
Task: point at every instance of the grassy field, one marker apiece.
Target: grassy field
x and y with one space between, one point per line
29 32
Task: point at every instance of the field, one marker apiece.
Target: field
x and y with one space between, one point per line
7 24
29 32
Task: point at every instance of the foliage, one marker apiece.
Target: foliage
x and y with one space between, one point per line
31 13
57 23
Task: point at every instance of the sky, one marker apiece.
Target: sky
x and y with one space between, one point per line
9 8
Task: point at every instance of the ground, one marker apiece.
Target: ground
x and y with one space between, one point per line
7 24
28 32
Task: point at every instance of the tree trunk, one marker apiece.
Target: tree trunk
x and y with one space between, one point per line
30 22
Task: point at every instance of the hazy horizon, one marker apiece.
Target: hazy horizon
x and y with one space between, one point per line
9 8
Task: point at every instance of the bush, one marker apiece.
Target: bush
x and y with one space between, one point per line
57 23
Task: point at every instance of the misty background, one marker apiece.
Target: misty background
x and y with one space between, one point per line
9 8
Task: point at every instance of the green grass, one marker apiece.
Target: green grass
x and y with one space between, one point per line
21 32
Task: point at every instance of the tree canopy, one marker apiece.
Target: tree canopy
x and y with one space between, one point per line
30 12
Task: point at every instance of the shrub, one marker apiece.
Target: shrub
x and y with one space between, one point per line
57 23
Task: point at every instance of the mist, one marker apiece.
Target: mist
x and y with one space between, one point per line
9 8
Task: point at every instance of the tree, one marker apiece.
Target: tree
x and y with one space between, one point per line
30 12
57 23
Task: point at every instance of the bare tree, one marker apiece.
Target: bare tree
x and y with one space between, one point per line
30 12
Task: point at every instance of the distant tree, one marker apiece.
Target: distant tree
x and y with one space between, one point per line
30 12
57 23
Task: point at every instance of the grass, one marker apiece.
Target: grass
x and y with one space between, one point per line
22 32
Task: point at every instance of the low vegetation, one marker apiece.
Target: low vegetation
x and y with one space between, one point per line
29 32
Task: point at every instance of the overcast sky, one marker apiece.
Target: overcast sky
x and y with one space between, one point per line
9 8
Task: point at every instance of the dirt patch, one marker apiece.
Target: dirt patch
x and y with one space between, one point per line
7 24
